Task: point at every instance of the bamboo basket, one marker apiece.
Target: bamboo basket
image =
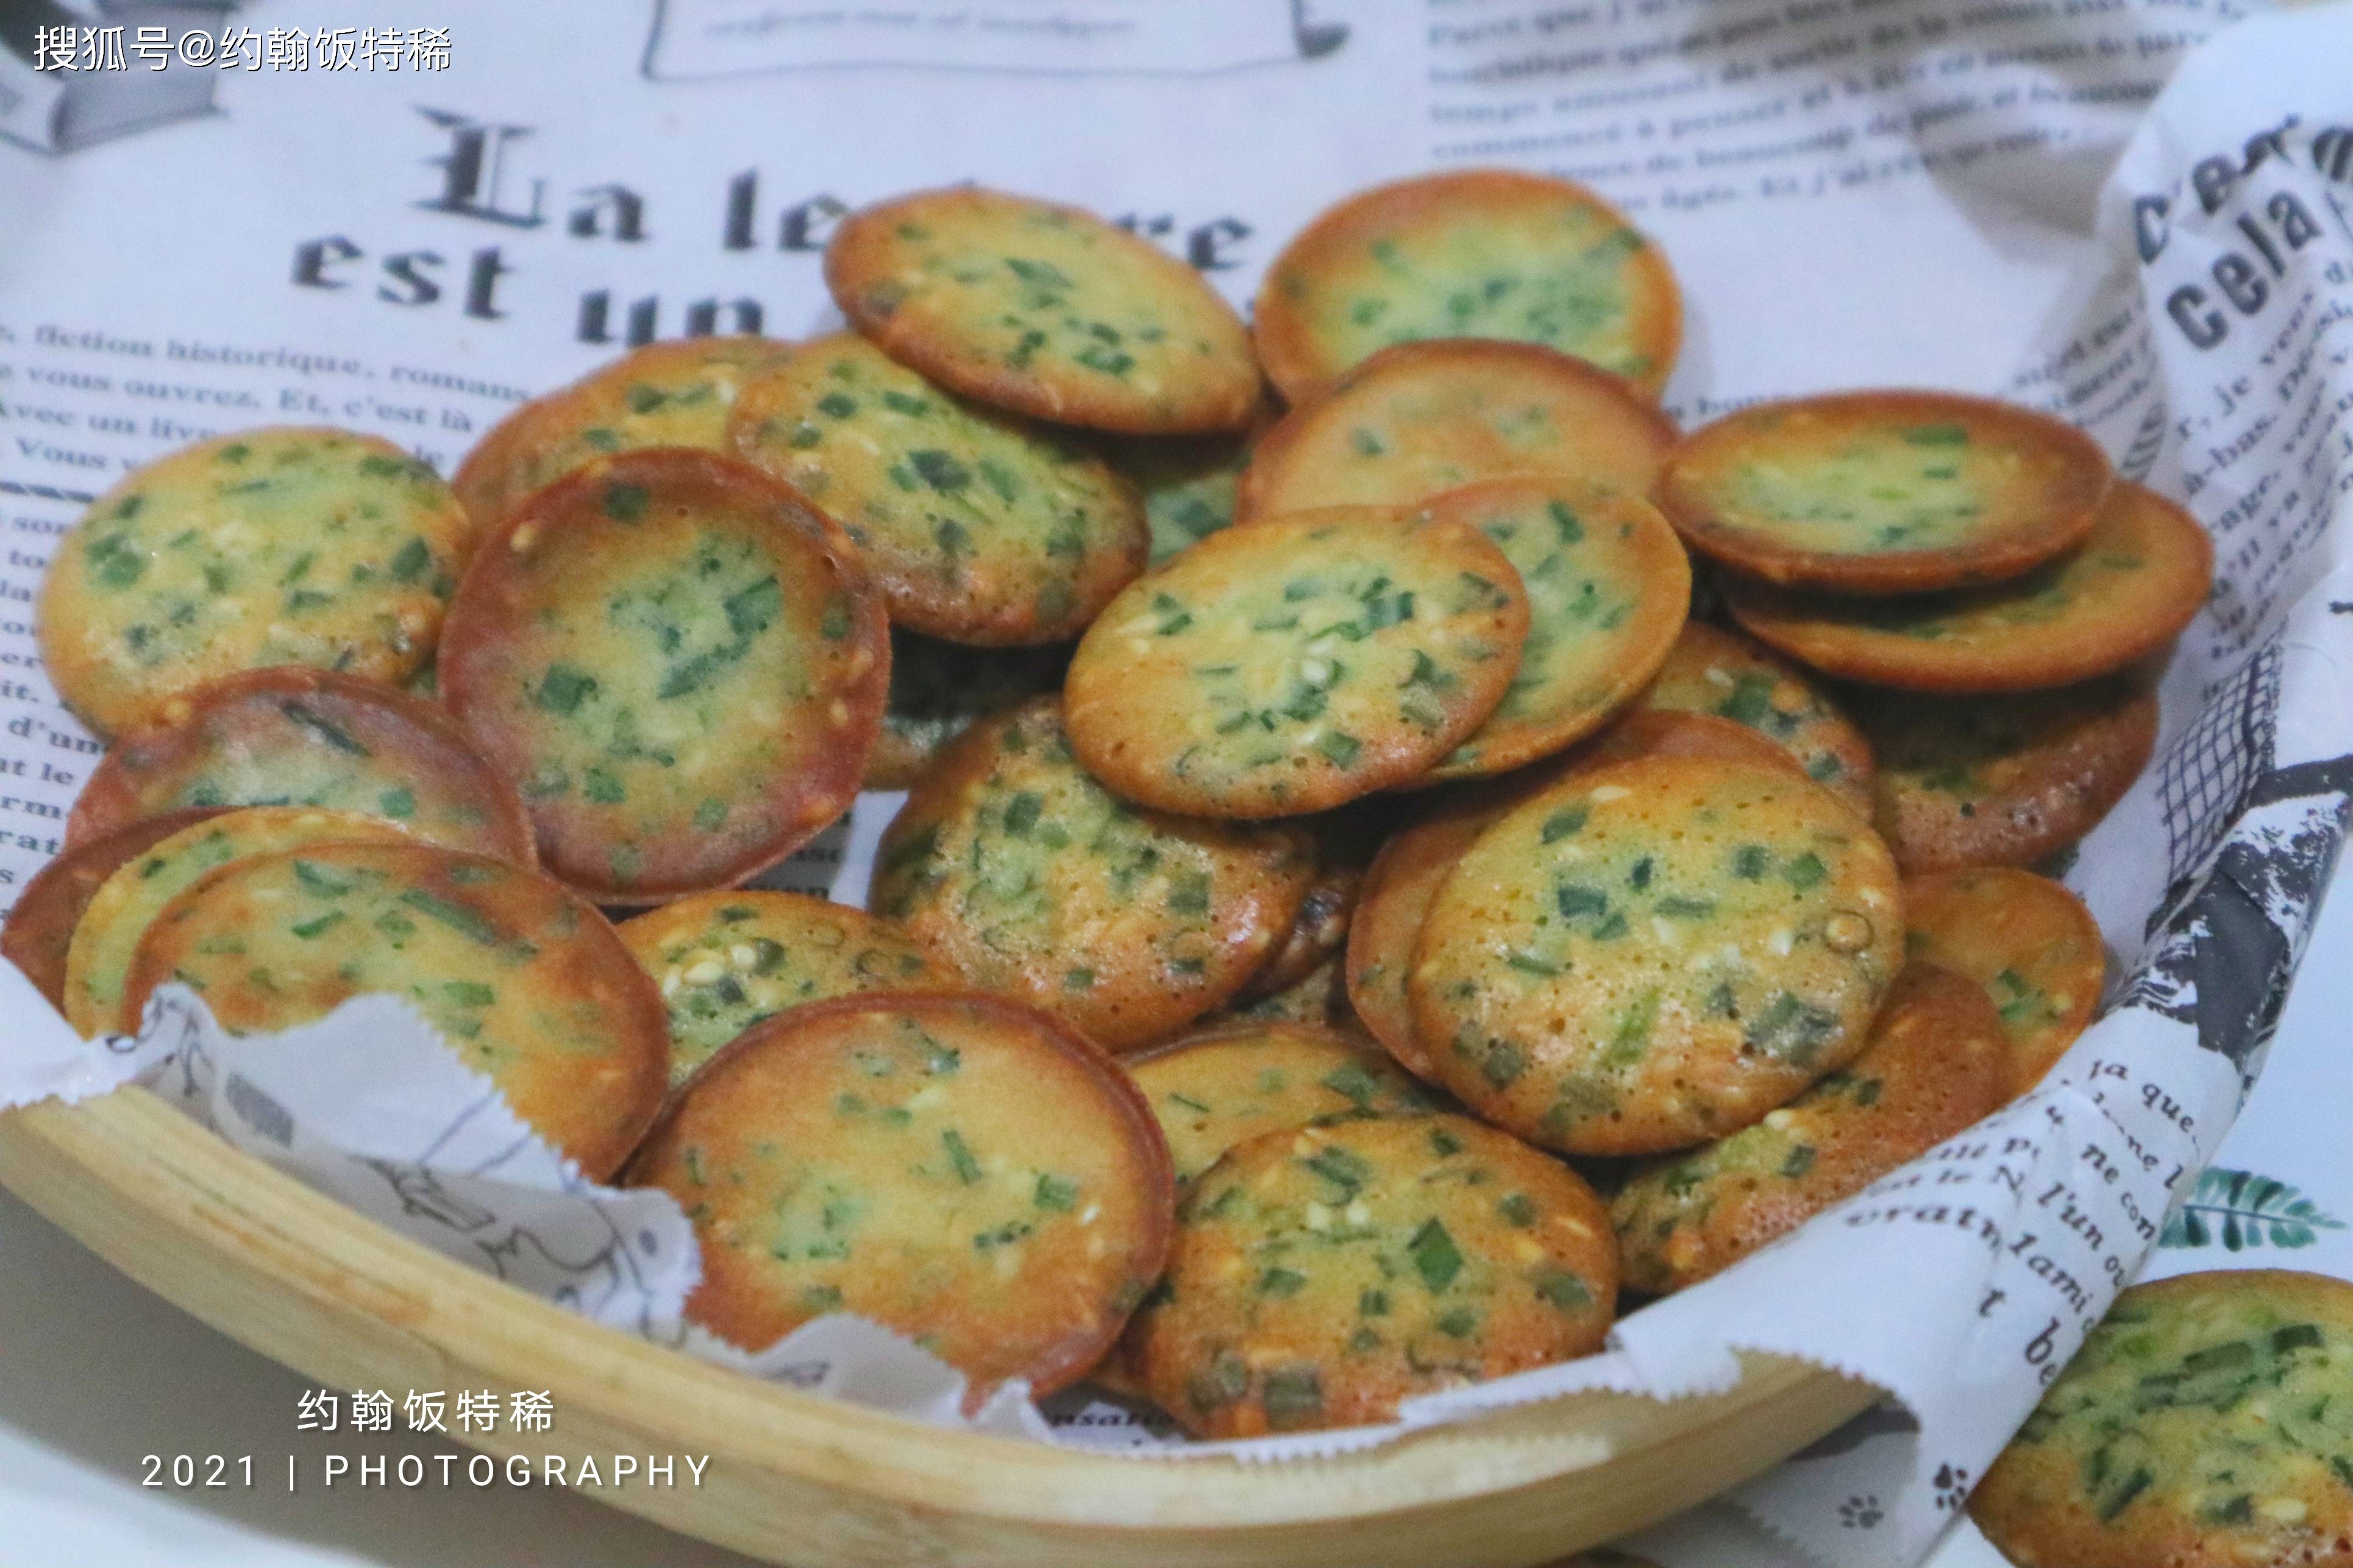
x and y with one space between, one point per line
816 1483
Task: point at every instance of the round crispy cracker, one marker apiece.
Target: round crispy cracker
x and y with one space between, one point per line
1884 492
296 736
1470 253
2126 591
1608 586
939 690
2202 1425
1655 954
278 546
1322 1275
524 979
724 962
2028 942
2003 781
1421 418
976 525
40 926
1405 875
1225 1086
964 1170
676 393
1031 879
1298 664
681 665
106 940
1937 1063
1044 310
1726 676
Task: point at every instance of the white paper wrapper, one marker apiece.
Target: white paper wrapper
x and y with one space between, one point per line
1852 194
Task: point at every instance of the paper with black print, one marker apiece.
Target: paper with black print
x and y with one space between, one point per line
1854 192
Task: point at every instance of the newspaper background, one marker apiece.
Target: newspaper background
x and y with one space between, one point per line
1854 192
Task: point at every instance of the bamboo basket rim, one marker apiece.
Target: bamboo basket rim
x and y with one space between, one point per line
130 1150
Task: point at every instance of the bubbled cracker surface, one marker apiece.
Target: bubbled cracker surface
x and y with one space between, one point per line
282 546
1655 954
1297 664
976 525
949 1172
1030 879
1320 1276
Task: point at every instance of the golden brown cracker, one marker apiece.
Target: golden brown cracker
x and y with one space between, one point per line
1608 586
297 736
977 526
724 962
1884 492
40 926
278 546
2003 781
1655 954
1471 253
1937 1062
522 978
1295 664
1421 418
2202 1425
1044 310
2126 592
1322 1276
964 1170
1223 1087
1033 881
106 940
1726 676
678 394
679 664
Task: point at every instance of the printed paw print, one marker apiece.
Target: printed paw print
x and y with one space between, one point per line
1952 1484
1861 1513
